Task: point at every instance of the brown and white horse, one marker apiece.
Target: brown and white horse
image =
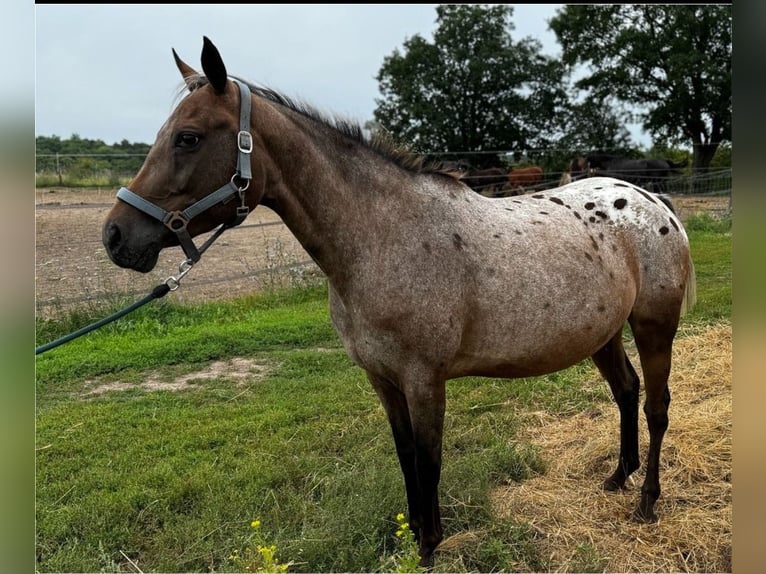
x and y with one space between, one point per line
428 280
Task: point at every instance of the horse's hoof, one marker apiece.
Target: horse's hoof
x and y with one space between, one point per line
613 485
427 562
644 516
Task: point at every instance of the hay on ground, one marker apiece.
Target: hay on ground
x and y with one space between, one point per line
568 508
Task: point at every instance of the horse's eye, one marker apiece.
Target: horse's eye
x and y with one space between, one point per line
187 140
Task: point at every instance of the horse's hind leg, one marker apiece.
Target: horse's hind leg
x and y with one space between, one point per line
615 366
654 340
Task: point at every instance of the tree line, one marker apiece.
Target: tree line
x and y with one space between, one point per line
477 88
82 161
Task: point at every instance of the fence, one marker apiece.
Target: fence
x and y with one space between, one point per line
73 270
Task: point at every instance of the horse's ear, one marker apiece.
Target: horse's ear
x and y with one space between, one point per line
212 65
186 70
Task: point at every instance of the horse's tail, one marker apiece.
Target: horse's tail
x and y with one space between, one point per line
690 292
665 198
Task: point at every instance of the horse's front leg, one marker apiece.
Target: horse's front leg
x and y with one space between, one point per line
415 408
395 404
425 394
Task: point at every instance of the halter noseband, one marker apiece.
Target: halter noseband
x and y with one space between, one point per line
177 221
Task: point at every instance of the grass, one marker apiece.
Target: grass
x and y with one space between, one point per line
171 481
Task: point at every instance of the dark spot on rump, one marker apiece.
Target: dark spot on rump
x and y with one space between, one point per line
518 232
516 201
535 222
620 203
601 308
590 205
538 196
601 214
592 219
646 268
593 242
543 213
491 271
598 187
611 275
621 185
427 247
664 230
556 200
614 248
577 215
568 206
662 286
601 236
646 195
452 195
547 305
457 241
673 223
496 236
508 209
588 256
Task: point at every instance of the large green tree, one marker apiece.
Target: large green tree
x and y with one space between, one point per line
671 61
473 88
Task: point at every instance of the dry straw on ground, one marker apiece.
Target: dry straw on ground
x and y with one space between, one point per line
568 509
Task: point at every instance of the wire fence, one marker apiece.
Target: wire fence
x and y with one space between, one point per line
73 270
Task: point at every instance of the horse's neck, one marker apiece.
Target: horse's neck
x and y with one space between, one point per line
329 192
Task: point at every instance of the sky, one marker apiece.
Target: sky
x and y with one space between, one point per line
107 72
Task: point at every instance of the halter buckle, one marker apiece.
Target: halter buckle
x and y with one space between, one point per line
245 142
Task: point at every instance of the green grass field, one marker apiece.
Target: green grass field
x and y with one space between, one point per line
171 480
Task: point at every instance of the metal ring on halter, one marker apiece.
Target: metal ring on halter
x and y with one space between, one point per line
240 189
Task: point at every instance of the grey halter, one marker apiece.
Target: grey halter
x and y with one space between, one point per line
177 221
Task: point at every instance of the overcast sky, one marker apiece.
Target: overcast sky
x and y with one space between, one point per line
107 72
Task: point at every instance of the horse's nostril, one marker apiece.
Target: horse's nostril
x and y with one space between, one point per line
112 235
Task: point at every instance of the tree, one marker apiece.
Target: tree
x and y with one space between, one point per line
595 124
672 61
473 88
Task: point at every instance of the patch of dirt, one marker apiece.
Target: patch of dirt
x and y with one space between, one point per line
72 268
567 507
238 369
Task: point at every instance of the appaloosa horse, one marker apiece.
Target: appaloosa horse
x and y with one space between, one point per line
428 280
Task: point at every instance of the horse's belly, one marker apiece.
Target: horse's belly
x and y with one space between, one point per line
536 344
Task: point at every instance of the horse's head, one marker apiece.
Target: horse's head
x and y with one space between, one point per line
197 174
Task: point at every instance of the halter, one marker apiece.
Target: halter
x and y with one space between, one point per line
177 221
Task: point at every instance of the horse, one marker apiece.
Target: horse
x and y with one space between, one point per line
427 280
486 181
577 168
651 173
520 178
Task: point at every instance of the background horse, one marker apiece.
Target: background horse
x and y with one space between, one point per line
651 173
520 178
486 181
427 280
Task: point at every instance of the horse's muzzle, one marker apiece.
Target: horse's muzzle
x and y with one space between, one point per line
124 253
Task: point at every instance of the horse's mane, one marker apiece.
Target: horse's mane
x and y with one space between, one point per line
380 143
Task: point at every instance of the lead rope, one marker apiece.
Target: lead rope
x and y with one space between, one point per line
170 284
